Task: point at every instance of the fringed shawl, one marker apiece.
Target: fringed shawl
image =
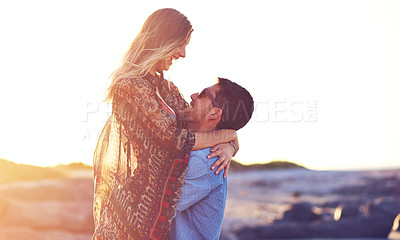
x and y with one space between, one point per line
140 162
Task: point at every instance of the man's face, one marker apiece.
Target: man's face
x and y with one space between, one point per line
201 105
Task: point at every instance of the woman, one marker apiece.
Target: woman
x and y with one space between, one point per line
141 155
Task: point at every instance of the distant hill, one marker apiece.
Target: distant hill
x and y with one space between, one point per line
236 166
12 172
74 166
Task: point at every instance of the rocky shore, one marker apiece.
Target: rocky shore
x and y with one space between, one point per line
262 204
295 204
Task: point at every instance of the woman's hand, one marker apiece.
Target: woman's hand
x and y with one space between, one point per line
225 151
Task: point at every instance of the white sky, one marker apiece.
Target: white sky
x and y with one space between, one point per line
324 75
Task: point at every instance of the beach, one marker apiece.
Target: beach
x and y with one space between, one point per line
261 204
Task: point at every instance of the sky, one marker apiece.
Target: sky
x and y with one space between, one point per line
324 76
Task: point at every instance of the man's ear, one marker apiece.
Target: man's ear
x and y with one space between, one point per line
215 114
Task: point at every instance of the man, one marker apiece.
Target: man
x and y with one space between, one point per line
200 210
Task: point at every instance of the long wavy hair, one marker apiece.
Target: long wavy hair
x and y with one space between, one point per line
163 32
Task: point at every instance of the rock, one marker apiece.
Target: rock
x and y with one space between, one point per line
280 230
227 236
300 212
350 210
371 219
347 228
388 205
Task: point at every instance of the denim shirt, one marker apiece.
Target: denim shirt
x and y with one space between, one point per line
201 208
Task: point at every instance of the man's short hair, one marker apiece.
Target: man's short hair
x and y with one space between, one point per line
237 105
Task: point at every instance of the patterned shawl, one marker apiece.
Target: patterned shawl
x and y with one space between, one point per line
140 162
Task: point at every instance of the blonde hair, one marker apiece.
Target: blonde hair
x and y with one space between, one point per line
162 33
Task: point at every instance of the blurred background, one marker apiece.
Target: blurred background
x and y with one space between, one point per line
325 132
324 76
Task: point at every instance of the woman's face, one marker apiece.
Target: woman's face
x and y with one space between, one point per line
165 64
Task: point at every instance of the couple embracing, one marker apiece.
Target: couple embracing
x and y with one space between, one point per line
160 163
